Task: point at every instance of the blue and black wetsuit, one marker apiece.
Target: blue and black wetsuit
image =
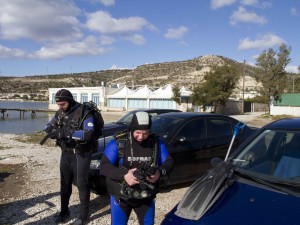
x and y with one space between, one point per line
134 155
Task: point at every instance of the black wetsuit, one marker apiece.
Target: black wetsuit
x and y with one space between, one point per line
75 157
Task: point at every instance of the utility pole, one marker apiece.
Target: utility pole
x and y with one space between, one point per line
243 97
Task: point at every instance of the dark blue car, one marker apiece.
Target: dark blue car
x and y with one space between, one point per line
259 184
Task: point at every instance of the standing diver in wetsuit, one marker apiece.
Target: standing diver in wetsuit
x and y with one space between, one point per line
77 145
122 162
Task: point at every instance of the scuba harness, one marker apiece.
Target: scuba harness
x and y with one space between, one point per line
145 189
69 122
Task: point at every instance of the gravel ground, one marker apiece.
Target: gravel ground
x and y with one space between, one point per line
30 189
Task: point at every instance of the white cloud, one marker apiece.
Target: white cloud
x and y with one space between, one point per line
215 4
294 11
292 69
249 2
256 3
262 42
176 33
6 53
136 39
42 21
89 46
265 5
242 15
106 40
115 67
103 22
107 2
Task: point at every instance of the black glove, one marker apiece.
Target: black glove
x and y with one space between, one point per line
58 134
49 129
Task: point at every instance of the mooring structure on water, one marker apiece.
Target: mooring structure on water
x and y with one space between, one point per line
22 111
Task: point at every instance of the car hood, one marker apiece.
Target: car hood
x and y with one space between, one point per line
247 204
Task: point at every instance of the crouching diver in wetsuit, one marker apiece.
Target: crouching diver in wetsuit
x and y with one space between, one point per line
75 137
133 163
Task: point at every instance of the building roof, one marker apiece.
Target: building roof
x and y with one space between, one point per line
165 92
142 92
121 93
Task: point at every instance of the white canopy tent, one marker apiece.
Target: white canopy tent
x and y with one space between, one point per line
118 99
144 97
140 98
162 99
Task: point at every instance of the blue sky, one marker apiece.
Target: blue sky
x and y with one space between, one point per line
40 37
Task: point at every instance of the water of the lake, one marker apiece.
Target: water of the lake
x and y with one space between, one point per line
12 123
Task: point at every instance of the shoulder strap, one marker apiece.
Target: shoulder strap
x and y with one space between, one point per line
83 115
155 152
155 145
121 140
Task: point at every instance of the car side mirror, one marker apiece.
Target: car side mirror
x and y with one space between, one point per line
215 161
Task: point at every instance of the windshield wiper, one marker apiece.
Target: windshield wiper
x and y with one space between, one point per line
282 186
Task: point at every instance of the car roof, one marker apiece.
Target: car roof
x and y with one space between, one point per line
186 115
156 110
286 123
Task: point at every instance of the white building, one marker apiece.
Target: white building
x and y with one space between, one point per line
83 94
144 98
289 104
124 99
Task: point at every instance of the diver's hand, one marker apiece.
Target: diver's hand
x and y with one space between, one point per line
154 177
48 129
58 134
130 178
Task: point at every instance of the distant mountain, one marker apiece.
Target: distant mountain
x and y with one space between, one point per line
184 73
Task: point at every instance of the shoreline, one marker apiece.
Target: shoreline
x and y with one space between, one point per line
20 100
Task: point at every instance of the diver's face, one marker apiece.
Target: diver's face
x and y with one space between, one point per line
63 105
141 135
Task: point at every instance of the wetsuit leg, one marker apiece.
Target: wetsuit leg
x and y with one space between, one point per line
66 179
146 212
120 211
81 171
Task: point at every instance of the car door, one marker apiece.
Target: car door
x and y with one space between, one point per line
184 148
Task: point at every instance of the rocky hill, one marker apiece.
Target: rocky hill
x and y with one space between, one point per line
185 73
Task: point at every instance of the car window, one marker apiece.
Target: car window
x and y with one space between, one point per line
126 119
194 129
163 126
220 131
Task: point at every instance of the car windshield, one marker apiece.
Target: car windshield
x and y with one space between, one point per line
274 156
163 126
126 119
